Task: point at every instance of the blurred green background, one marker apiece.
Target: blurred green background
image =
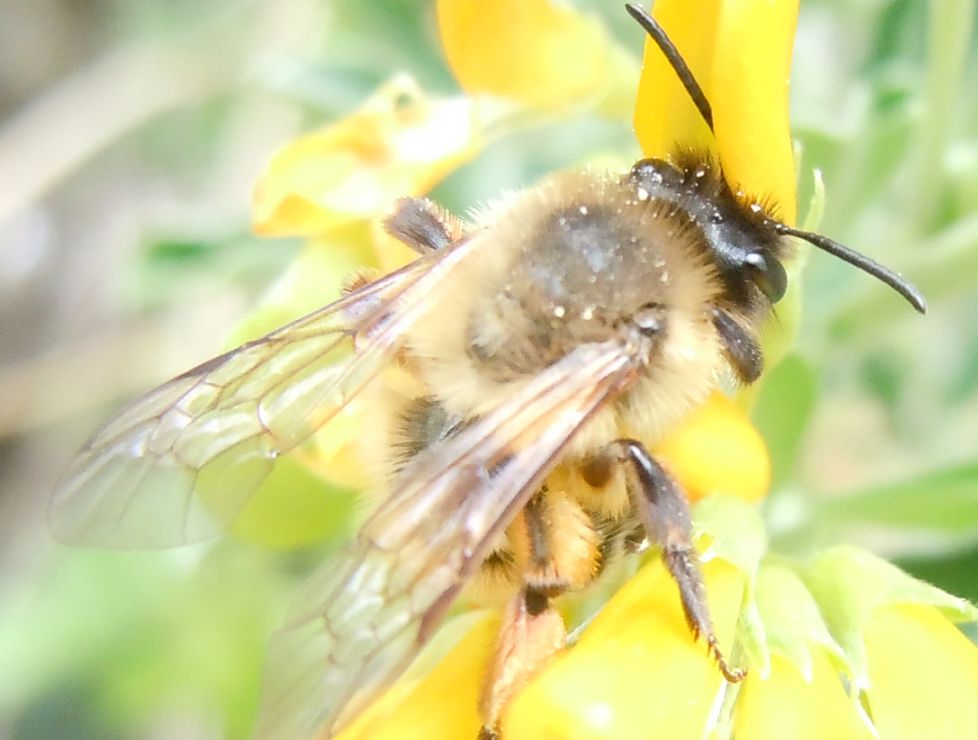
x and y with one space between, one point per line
130 136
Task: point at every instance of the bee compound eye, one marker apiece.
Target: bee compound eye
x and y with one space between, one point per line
768 274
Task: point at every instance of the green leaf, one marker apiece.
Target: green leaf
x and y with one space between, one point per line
177 251
736 531
295 507
943 503
751 637
126 638
792 621
954 572
783 412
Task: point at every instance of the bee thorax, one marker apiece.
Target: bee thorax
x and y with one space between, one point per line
594 262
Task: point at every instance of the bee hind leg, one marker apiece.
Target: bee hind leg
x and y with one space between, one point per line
531 633
557 548
665 513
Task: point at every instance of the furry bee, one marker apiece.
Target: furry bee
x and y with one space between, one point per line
545 349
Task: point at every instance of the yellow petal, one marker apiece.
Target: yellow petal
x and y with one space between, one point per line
400 143
749 93
541 53
740 53
664 115
717 450
441 704
923 675
785 705
636 670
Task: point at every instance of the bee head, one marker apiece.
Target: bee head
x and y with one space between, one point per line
738 233
746 240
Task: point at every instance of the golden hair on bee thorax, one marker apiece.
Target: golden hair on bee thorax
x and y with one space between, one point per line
512 380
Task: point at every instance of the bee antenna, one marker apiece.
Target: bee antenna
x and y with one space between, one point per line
900 284
675 59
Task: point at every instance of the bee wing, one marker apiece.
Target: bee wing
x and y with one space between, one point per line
181 462
365 615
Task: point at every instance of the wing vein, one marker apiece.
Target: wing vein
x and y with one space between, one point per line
377 604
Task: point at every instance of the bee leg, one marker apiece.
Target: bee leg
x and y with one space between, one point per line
557 547
665 512
532 632
423 225
419 223
739 347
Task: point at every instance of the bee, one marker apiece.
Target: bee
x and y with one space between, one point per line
541 352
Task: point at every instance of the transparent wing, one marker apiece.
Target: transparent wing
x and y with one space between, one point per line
363 618
181 462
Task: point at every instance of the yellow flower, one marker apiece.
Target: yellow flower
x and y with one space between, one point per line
717 450
793 688
635 669
537 53
923 674
533 51
740 53
438 696
635 672
400 143
788 703
913 671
